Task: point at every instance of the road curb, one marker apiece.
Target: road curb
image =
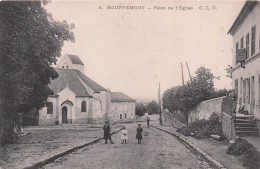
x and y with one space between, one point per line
205 155
58 155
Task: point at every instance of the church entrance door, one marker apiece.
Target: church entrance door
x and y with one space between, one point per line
64 114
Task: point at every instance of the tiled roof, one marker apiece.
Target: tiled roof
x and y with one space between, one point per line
75 59
72 78
68 77
120 97
89 82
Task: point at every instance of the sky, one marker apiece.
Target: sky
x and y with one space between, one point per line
132 51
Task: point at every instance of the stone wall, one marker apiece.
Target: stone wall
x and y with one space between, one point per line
154 117
228 126
205 109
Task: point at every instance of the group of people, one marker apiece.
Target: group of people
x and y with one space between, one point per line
124 135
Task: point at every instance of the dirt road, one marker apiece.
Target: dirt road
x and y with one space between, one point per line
158 150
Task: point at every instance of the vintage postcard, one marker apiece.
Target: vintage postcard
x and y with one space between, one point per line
130 84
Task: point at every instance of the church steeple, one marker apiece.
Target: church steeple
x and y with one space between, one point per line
69 61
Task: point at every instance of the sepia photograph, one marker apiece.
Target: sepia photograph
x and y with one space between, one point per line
134 84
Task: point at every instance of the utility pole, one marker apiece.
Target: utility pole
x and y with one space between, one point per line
159 100
182 75
189 71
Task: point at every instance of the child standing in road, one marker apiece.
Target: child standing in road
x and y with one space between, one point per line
124 136
107 132
139 135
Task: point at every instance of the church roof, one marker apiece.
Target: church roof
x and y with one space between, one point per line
120 97
73 79
89 82
75 59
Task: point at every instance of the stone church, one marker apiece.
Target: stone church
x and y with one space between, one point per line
77 98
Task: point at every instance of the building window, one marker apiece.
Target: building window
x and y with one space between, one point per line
83 106
249 92
253 41
62 66
259 90
49 106
120 116
125 116
247 45
241 91
236 87
252 99
67 67
242 43
244 90
236 49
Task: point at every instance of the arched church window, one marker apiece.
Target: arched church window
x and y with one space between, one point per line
83 106
49 106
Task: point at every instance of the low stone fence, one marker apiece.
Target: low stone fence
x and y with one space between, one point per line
140 118
153 117
173 119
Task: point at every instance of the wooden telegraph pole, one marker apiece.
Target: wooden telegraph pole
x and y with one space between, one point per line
189 71
182 75
160 110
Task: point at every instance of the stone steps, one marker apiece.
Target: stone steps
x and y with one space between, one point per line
246 126
247 133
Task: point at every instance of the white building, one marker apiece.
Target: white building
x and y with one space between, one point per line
122 107
76 98
246 73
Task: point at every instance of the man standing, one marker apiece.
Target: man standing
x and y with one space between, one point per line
107 132
148 121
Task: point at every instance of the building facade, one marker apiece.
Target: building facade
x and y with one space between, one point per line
122 107
246 58
76 98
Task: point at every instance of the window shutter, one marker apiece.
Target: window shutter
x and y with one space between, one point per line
253 41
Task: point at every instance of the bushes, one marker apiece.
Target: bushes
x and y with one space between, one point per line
193 127
212 127
199 89
239 147
250 156
203 128
251 159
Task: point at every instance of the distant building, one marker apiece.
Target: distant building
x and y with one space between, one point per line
122 107
246 58
76 98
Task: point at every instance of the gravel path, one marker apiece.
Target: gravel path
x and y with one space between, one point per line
158 150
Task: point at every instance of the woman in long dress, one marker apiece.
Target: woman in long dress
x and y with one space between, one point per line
139 135
107 132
